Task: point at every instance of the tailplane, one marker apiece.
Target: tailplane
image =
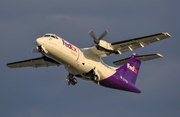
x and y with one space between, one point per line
130 68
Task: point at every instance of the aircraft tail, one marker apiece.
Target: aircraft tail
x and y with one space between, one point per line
130 68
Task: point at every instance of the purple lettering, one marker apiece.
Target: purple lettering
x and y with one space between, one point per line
68 45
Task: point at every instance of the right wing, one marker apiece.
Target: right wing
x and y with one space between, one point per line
127 45
36 62
131 44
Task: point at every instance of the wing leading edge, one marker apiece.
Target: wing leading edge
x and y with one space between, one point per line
129 45
36 62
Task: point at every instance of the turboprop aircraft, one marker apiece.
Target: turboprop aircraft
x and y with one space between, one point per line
87 63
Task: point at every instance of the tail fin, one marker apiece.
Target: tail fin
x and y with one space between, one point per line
131 65
130 70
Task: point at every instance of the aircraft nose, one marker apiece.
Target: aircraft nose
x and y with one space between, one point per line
39 41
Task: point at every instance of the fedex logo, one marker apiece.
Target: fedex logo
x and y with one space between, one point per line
132 68
68 45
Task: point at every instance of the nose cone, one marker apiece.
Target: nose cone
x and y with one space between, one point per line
39 41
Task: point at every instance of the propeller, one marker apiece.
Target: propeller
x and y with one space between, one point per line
97 40
34 50
37 49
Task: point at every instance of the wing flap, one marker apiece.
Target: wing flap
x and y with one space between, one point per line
140 58
36 62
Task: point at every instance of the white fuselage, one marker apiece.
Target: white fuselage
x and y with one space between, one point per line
76 61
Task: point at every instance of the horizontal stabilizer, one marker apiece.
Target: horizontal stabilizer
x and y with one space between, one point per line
140 58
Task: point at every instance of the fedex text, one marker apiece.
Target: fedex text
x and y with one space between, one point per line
69 45
132 68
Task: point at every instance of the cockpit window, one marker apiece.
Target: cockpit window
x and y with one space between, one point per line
53 36
47 35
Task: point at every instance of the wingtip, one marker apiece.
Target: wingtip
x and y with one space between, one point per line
167 34
160 55
8 65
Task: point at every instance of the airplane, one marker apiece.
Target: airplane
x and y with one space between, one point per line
87 63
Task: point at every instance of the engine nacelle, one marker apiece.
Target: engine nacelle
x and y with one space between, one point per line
105 45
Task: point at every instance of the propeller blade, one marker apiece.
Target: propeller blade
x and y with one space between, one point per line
91 33
34 50
96 41
103 35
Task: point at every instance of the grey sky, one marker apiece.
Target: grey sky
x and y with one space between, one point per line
43 92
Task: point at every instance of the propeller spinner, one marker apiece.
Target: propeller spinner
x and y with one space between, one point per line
38 49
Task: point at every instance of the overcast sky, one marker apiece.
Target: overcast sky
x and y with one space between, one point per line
43 92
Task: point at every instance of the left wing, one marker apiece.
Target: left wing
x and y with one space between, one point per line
108 49
36 62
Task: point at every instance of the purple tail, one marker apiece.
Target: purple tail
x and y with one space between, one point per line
130 70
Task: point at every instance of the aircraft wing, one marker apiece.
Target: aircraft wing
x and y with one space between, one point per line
129 45
36 62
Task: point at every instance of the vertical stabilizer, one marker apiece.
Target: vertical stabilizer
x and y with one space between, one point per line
130 70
